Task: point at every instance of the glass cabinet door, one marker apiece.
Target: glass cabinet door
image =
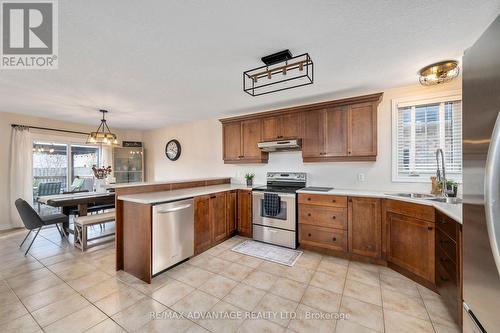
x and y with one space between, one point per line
128 164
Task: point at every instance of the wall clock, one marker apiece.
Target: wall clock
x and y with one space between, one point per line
173 150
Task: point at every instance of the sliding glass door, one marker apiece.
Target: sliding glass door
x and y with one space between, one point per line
60 167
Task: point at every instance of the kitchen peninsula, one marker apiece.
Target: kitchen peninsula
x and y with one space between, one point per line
215 214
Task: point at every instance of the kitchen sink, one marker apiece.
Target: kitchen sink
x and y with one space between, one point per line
447 200
412 195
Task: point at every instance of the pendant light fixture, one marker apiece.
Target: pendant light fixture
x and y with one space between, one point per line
439 72
103 134
281 71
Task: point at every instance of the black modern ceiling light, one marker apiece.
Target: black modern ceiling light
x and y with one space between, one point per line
281 71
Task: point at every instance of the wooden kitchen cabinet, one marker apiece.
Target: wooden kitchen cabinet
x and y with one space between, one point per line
202 224
323 221
240 141
336 128
365 227
362 130
245 213
410 239
218 216
282 127
313 143
231 212
341 130
341 133
448 264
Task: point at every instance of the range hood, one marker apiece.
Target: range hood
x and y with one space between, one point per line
280 145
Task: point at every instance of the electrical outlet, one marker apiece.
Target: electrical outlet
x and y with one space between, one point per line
361 177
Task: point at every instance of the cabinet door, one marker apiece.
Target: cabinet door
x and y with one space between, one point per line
362 130
271 128
251 135
410 244
245 213
314 141
231 212
336 131
218 215
232 141
365 227
202 224
291 126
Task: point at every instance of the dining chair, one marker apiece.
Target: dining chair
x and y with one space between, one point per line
47 189
32 221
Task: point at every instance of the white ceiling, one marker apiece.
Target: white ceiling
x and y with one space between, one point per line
154 63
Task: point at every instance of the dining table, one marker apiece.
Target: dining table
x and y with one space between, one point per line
67 202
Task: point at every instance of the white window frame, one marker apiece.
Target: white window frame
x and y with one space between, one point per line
430 98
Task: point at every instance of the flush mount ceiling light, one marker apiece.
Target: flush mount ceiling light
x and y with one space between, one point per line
103 134
437 73
281 71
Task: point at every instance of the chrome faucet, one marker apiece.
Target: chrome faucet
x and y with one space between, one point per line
442 178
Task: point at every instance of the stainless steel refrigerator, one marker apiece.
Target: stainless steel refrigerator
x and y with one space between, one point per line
481 209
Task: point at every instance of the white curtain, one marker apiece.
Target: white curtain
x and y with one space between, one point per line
21 171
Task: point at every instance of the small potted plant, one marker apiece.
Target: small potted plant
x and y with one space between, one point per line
249 178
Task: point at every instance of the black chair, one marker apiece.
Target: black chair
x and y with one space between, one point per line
33 221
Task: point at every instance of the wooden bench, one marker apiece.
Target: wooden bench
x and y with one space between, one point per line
83 222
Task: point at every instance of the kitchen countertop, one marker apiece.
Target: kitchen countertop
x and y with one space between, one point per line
174 195
454 211
163 182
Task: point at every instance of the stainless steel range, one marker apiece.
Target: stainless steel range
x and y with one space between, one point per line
280 227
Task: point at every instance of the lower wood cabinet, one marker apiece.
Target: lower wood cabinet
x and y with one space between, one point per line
323 221
231 212
218 216
365 227
448 264
245 213
410 241
328 238
202 224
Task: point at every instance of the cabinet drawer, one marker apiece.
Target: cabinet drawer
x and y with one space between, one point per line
447 265
422 212
447 245
335 239
330 217
447 225
323 200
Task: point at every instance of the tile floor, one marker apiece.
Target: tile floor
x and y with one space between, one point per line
58 289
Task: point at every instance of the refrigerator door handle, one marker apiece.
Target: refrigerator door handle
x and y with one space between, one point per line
492 193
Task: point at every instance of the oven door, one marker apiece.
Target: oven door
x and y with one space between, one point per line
284 220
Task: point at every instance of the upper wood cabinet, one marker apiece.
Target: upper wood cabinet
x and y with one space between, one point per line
282 127
240 140
342 133
340 130
365 227
362 130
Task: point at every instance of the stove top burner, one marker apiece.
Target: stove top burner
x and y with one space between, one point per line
317 188
278 189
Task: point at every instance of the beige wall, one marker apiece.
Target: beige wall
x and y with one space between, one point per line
6 119
202 153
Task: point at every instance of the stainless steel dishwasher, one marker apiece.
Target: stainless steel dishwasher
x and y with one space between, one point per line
173 233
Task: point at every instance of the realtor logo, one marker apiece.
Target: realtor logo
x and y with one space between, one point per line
29 34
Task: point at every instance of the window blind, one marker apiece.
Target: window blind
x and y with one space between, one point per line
421 130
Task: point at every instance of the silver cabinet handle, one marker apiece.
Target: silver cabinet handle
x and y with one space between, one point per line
492 193
176 209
